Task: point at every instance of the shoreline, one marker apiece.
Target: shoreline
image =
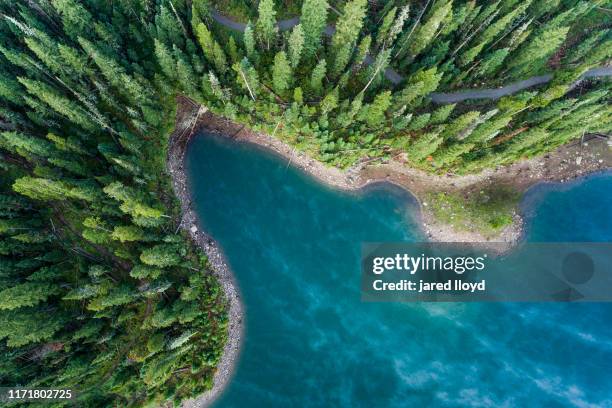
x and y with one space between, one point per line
564 164
177 146
567 163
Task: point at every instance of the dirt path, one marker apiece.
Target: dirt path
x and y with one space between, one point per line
437 97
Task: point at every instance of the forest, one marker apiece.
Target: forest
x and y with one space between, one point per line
100 290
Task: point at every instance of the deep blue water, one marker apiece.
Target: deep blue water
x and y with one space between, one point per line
294 247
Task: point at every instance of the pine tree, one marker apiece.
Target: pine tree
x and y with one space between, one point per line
185 75
59 103
45 189
374 113
419 122
330 102
408 95
132 202
200 9
363 49
233 50
491 63
424 146
22 327
249 42
444 157
266 23
456 128
162 256
211 48
424 33
46 50
298 97
532 56
281 72
346 35
10 90
76 19
145 272
490 33
398 26
525 140
127 233
385 26
313 20
115 74
165 59
247 77
318 73
25 144
459 17
441 114
418 85
295 45
595 40
26 294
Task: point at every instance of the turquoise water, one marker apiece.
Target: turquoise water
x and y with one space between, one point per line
294 247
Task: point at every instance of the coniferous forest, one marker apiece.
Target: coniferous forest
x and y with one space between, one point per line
99 289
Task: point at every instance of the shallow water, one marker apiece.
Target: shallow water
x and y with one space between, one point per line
294 244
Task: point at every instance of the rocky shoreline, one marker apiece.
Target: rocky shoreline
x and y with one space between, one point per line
185 124
563 165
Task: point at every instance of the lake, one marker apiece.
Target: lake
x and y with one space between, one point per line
294 246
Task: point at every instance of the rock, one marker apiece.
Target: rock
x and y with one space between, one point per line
578 160
194 229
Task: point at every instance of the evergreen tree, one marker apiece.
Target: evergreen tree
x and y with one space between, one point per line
281 72
313 20
424 146
295 45
397 27
385 26
249 41
419 122
163 255
330 102
363 50
491 63
490 33
440 115
247 77
211 48
532 56
318 73
346 35
76 19
165 60
266 23
424 33
59 103
374 113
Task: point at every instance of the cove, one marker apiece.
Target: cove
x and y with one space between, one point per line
293 245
